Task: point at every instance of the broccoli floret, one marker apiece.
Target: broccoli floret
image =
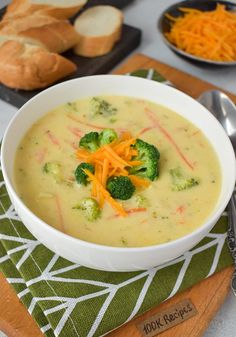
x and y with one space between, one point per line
90 208
102 107
80 176
120 187
107 136
53 169
149 156
180 181
141 201
90 141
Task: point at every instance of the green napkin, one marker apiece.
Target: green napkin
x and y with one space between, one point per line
70 300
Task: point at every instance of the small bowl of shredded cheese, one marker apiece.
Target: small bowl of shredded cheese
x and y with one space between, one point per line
201 30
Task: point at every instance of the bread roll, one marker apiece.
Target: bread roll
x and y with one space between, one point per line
54 35
60 9
99 28
28 67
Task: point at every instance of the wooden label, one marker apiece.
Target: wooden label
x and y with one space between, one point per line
164 320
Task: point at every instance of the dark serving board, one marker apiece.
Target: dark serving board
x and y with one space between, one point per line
130 39
117 3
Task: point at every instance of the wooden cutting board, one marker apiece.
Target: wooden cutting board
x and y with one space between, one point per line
207 296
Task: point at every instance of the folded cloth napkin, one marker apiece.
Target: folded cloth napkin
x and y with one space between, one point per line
67 299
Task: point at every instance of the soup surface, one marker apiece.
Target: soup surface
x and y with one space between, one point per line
161 213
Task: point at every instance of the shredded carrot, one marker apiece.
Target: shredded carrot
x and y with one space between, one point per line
126 135
120 172
133 152
94 190
89 125
209 35
137 181
105 172
134 162
40 155
99 177
131 211
180 209
124 144
118 207
136 210
75 119
112 172
148 128
52 138
94 186
83 154
113 156
75 131
157 124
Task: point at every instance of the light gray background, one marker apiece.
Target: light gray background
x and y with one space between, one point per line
144 14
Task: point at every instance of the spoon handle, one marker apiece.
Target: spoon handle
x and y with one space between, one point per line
232 236
224 110
233 283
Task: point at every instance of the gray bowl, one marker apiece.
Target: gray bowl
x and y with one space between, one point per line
164 25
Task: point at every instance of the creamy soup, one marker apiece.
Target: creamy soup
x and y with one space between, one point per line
161 212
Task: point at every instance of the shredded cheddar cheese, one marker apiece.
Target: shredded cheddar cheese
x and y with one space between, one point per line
111 160
208 35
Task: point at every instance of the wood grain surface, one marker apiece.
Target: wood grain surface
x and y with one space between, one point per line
207 296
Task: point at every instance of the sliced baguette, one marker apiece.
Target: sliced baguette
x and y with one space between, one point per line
99 28
23 22
30 67
54 35
59 9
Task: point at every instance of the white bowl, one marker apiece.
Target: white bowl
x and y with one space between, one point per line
99 256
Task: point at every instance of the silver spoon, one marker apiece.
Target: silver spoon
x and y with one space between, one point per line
224 110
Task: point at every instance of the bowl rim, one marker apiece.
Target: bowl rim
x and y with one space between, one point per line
98 246
182 52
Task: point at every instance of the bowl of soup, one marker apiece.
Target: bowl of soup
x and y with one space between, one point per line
164 215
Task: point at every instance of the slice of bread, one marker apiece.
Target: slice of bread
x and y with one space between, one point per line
59 9
54 35
99 28
30 67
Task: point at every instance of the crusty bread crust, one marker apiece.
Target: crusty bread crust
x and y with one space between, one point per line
25 7
60 13
21 23
97 45
54 35
30 67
